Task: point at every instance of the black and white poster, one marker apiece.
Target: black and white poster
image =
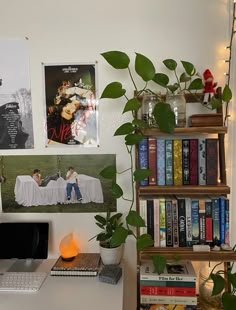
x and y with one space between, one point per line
71 105
16 126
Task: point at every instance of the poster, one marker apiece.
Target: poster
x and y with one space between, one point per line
16 125
21 193
71 105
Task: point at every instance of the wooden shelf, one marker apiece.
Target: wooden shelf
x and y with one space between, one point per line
187 131
198 190
189 254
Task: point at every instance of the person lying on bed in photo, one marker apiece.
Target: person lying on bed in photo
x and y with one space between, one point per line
43 182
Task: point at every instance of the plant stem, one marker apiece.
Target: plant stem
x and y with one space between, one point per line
178 81
136 89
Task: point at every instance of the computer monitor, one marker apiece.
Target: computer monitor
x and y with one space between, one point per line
24 240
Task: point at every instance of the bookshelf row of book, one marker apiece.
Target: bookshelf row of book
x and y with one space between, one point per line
179 161
176 286
184 222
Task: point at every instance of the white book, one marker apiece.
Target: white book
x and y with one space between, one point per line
160 299
143 214
156 223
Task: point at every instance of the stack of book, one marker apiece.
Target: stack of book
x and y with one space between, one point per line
176 286
84 264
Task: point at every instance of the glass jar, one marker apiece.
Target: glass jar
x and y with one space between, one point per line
206 300
148 103
178 105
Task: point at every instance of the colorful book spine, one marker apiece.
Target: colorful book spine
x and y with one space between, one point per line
182 222
156 223
169 162
177 162
143 158
211 161
193 161
209 224
162 219
202 161
156 299
167 306
185 161
202 221
216 220
222 219
227 221
167 290
169 225
188 209
168 283
150 218
152 162
175 223
161 178
143 214
195 221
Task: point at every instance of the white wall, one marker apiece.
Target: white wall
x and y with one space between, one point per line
78 31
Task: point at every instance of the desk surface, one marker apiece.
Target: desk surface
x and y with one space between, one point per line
65 293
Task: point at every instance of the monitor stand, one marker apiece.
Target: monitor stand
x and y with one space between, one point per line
25 265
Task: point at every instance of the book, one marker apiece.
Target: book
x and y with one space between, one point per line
156 223
152 162
188 210
84 264
202 221
211 161
167 283
143 214
162 222
150 217
222 219
177 162
167 290
216 221
143 158
169 162
185 161
175 219
208 215
182 222
195 221
202 161
169 225
161 306
182 300
193 161
174 271
161 179
227 221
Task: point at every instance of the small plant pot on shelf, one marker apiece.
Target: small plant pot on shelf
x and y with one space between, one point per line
111 256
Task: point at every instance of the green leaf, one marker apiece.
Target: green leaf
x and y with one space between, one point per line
229 301
144 67
184 78
100 225
132 105
144 241
117 191
215 103
132 139
100 219
173 87
188 67
101 237
115 218
171 64
117 59
134 219
227 94
196 84
139 123
113 90
164 117
161 79
108 172
219 284
119 236
141 174
159 263
124 129
232 279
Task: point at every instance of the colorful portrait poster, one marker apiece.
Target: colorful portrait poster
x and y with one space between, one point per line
16 125
71 105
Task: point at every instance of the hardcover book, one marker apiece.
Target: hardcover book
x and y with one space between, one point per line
202 161
143 214
169 162
185 162
167 290
188 208
162 222
161 179
202 221
211 161
150 217
174 271
168 283
208 214
143 158
175 223
193 161
177 162
169 225
84 264
156 223
182 222
152 162
195 221
216 220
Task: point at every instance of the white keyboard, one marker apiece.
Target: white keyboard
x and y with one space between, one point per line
21 281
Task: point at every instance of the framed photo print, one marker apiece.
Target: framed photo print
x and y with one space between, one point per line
71 106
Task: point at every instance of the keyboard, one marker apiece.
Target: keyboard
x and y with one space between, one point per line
21 281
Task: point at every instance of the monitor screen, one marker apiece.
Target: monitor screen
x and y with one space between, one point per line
24 240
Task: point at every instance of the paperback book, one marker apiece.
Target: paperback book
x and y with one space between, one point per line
84 264
167 307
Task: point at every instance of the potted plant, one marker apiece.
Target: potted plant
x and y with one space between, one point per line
111 237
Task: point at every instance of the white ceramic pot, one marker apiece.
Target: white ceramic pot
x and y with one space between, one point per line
111 256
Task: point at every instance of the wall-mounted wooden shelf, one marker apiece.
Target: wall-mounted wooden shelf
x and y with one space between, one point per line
187 131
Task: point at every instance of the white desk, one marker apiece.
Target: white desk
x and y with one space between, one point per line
65 293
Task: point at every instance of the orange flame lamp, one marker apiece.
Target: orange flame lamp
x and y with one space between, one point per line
68 247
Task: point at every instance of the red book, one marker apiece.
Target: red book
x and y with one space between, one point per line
152 160
167 291
208 208
211 161
193 161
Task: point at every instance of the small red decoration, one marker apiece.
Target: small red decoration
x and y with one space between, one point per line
209 86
